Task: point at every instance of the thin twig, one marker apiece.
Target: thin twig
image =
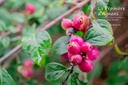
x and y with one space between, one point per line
93 8
70 72
15 38
2 2
5 34
17 48
78 6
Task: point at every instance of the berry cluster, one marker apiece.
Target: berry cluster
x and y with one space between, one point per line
26 69
80 22
80 52
30 8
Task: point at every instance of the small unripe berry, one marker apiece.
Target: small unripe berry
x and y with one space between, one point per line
81 22
76 59
77 39
74 48
66 23
69 55
27 73
65 56
30 8
28 63
86 46
86 66
93 53
70 31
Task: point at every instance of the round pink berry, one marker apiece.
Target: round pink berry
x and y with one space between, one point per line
28 63
27 73
86 46
81 22
65 56
93 53
76 59
66 23
77 39
30 8
74 48
69 55
86 66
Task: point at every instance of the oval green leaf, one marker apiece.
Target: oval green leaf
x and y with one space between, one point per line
5 78
60 46
104 24
53 71
98 36
73 80
38 46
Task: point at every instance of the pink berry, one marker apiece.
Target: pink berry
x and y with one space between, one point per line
77 39
65 56
66 23
69 55
27 73
81 22
30 8
86 66
86 46
28 63
93 53
76 59
74 48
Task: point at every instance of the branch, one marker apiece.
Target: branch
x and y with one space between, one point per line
78 6
92 8
17 48
70 72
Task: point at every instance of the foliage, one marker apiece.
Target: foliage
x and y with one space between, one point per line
43 47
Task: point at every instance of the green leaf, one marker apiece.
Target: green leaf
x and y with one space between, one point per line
5 16
39 12
5 41
5 78
98 36
53 71
2 26
105 24
38 46
17 4
116 80
117 66
110 43
13 29
115 3
79 33
100 9
73 80
46 2
60 46
18 18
